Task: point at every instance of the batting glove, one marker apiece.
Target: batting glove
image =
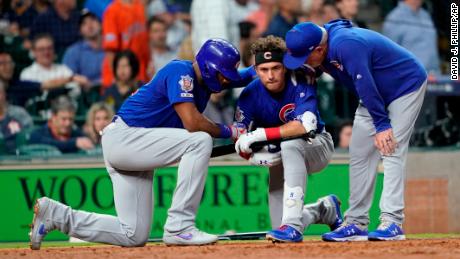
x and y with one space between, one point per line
244 142
237 131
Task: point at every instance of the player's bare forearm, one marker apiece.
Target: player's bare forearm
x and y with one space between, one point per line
194 121
291 129
208 126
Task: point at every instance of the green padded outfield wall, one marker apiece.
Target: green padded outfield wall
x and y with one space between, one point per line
235 197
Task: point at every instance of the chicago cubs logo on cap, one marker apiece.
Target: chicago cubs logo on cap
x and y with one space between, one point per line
285 111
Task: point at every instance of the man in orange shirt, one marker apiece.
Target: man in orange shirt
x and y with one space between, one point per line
124 28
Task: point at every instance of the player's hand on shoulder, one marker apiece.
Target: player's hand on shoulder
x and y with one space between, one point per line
84 143
269 156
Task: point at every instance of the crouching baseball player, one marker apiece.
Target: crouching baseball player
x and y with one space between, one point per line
158 125
282 105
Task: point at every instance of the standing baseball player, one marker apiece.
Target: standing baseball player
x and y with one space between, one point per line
157 126
391 84
282 104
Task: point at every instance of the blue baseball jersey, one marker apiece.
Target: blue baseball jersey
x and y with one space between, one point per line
257 107
372 66
152 105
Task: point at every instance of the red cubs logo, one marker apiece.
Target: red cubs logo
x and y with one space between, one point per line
285 111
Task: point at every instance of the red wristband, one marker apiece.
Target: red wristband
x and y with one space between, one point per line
273 133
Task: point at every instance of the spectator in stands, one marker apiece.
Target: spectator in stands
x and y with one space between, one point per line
262 16
348 9
240 9
126 67
248 34
19 91
13 119
329 11
26 12
411 26
123 27
97 7
85 56
12 42
212 19
98 116
344 136
160 53
247 58
220 107
312 11
185 51
173 20
44 68
60 131
61 21
9 13
285 18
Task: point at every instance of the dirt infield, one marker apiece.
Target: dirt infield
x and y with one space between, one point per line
422 248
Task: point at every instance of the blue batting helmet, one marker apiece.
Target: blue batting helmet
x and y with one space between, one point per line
218 56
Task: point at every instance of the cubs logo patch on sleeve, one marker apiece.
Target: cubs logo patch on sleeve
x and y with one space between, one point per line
239 114
186 85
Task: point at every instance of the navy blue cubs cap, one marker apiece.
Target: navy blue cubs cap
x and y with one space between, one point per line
300 42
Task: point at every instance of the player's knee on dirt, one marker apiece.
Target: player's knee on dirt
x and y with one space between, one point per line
137 239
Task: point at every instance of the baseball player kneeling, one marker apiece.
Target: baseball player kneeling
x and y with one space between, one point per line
158 125
281 105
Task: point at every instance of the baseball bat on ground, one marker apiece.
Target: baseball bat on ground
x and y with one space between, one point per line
236 236
230 148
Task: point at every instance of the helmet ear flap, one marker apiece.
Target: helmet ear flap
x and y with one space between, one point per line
207 70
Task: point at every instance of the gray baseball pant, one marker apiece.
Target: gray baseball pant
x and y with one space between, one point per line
130 155
364 158
299 159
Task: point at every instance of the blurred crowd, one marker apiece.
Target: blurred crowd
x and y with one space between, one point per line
66 66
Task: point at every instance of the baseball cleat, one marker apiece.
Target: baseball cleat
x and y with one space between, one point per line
331 202
191 237
387 231
285 234
38 228
346 232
